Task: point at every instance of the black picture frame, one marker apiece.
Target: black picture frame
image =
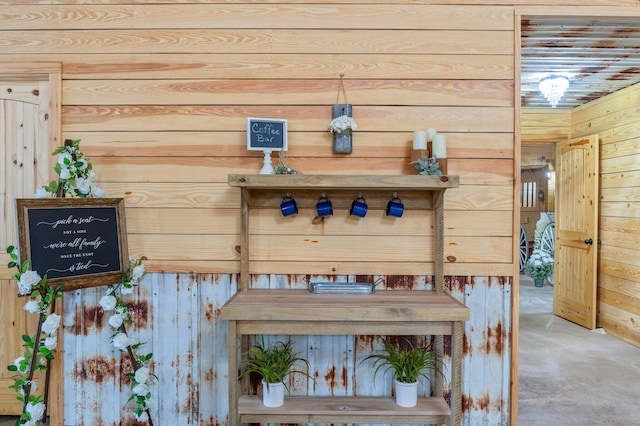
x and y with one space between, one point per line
77 242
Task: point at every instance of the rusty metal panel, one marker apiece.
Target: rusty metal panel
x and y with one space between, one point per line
487 348
178 315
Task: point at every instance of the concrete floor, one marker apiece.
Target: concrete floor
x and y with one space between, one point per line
568 375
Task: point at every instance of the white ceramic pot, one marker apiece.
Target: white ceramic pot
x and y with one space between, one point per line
272 395
406 394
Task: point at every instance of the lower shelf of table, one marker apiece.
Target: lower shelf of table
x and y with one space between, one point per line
319 409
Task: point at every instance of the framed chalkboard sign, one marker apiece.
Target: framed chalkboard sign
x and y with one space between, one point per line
77 242
266 134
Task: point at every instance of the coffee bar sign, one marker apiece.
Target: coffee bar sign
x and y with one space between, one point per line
77 242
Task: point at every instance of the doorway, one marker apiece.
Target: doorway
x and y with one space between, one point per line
30 113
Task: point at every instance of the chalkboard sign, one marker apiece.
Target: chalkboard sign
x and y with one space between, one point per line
266 134
77 242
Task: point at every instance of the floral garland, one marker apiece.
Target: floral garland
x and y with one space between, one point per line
38 350
142 378
75 173
75 180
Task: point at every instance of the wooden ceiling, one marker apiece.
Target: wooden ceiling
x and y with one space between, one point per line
599 56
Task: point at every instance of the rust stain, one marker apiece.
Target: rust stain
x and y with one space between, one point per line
96 369
467 349
401 282
209 375
455 283
126 367
87 318
208 312
330 377
139 313
344 376
364 278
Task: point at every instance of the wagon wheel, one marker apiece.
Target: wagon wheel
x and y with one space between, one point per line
548 243
524 247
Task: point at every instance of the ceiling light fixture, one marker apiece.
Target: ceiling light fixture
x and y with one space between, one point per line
553 88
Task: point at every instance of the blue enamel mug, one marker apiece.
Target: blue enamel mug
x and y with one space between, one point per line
359 207
288 206
324 207
395 207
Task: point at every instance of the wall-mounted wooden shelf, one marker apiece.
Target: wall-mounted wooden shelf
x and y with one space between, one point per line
299 312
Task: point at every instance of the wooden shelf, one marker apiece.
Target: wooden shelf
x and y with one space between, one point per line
300 312
381 306
344 182
301 410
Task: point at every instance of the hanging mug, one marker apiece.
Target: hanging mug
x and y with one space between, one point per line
288 206
358 207
324 207
395 207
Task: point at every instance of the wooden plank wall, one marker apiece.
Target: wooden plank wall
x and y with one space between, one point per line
161 112
615 118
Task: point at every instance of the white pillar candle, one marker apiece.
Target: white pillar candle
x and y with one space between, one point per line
419 139
431 132
439 145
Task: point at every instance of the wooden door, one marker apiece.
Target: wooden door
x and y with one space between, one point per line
25 152
576 249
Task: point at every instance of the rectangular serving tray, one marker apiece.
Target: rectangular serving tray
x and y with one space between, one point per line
341 288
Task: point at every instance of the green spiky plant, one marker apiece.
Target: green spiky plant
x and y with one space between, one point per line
407 360
273 363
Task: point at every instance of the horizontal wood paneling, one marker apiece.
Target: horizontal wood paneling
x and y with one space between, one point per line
224 15
301 118
301 144
615 119
260 41
302 92
544 126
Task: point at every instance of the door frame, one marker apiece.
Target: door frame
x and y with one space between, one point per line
51 72
521 13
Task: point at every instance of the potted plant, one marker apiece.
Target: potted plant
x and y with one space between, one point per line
272 363
539 266
408 362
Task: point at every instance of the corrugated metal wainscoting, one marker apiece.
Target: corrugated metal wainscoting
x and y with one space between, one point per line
177 316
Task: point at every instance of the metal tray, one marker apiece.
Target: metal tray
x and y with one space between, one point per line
341 288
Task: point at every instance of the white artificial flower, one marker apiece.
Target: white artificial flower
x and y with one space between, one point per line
108 302
83 185
33 387
116 320
140 389
137 272
142 417
121 341
32 307
32 422
121 309
97 193
43 193
51 324
65 159
20 365
142 375
149 403
27 280
126 289
110 290
36 410
51 342
342 123
91 175
65 173
81 164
